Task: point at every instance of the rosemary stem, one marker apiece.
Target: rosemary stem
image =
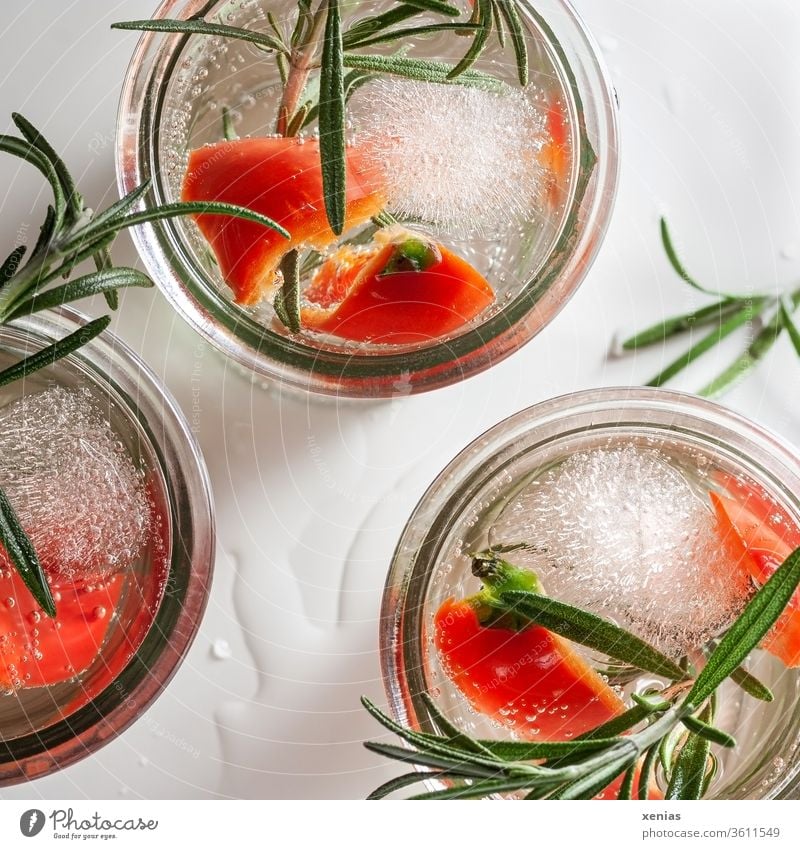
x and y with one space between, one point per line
300 62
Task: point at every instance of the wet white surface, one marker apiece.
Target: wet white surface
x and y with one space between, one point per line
311 498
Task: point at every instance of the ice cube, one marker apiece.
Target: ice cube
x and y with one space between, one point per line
72 484
461 158
619 531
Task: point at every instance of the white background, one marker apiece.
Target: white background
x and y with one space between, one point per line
311 498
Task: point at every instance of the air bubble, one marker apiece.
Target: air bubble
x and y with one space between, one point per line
74 487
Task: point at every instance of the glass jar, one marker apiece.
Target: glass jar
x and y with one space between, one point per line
457 515
174 93
164 593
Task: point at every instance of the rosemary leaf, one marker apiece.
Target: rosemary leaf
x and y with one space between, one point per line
367 27
484 30
477 789
304 23
435 6
30 153
624 722
425 70
332 120
200 27
751 685
455 737
709 732
646 773
508 9
755 352
11 263
112 299
746 313
47 356
287 298
19 549
760 614
651 701
279 34
457 767
120 207
298 120
588 786
498 22
283 67
46 234
228 130
514 750
74 200
687 780
402 781
428 744
411 32
626 788
589 630
94 231
103 262
660 332
669 744
791 327
96 283
678 268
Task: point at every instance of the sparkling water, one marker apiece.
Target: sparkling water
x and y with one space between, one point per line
462 164
624 527
82 479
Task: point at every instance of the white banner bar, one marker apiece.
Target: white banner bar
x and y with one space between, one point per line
691 825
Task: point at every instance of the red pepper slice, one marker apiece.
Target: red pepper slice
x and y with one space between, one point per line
520 674
530 680
761 536
410 290
280 178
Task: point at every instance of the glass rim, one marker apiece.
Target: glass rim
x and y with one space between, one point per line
229 329
416 555
117 371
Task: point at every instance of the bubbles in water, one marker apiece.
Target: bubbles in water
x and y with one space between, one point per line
463 159
72 484
620 532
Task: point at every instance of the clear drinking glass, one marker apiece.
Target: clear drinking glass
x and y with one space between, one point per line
175 91
703 440
44 728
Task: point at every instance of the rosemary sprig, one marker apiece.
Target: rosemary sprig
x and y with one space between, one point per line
727 314
679 729
70 234
319 40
